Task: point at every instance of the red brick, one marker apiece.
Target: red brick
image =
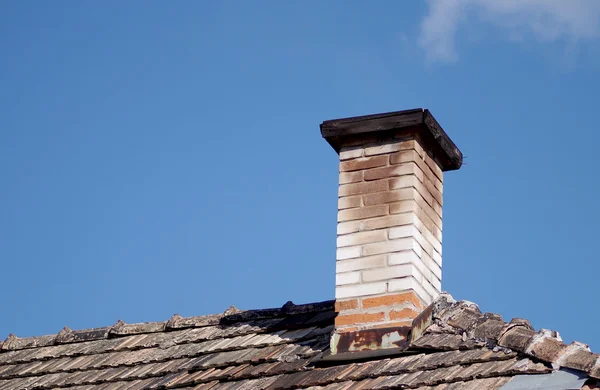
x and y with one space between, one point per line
390 300
403 314
346 305
361 318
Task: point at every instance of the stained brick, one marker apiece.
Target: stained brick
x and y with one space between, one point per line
412 181
361 238
363 188
434 168
424 216
374 223
388 196
404 206
363 163
351 177
413 156
437 195
349 202
353 152
388 147
437 208
396 170
362 213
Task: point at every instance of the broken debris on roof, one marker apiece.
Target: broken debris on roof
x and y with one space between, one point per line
456 347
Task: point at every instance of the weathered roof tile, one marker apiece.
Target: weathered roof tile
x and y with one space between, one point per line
282 348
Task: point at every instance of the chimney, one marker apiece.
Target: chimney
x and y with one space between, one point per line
389 232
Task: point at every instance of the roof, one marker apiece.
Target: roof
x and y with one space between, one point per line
284 348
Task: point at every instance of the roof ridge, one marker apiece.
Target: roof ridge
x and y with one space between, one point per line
464 318
230 316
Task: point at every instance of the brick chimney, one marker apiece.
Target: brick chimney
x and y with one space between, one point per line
389 232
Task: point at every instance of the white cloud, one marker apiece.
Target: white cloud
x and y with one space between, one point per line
544 20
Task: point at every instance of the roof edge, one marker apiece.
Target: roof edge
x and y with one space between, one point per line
445 315
121 329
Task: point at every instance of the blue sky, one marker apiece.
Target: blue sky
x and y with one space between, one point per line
165 157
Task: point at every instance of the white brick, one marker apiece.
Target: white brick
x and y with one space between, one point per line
360 263
351 152
362 238
388 273
437 233
348 252
432 240
417 249
436 283
404 257
395 245
427 247
428 287
403 231
373 223
410 257
360 290
432 266
437 258
388 246
347 278
409 283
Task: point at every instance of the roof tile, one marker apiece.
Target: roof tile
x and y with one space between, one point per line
282 348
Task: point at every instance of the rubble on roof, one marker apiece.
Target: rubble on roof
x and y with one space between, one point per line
455 347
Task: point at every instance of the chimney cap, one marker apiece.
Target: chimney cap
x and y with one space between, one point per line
416 122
